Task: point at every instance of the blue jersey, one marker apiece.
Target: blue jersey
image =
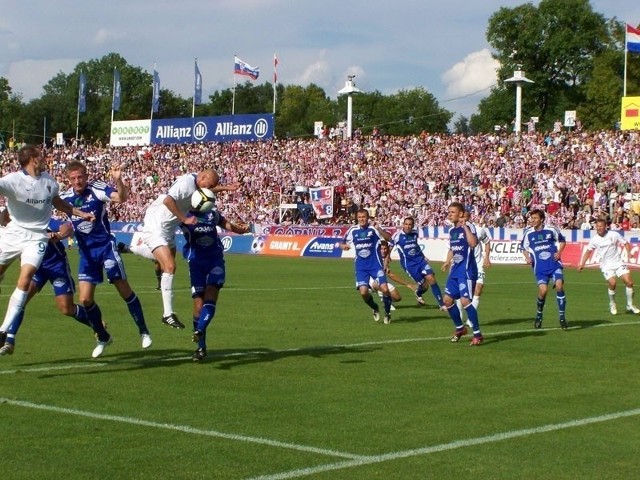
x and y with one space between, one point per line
55 254
93 200
366 243
463 261
408 248
542 245
202 241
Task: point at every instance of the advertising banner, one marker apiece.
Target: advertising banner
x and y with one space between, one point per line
212 129
130 132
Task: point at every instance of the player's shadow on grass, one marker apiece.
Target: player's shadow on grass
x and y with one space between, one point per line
222 359
226 360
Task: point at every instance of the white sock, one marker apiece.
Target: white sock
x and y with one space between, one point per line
476 301
166 288
16 304
461 308
612 296
629 292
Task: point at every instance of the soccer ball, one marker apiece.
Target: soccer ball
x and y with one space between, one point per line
203 200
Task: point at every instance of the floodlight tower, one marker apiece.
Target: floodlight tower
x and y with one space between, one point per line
519 79
349 89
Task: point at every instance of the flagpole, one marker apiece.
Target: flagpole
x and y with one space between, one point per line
624 83
153 88
78 110
233 98
275 80
193 102
113 93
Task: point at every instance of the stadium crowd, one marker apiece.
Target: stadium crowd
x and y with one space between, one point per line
574 175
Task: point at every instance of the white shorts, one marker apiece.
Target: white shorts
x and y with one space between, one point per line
617 270
373 283
159 227
29 245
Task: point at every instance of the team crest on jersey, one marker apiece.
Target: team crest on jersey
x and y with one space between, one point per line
77 202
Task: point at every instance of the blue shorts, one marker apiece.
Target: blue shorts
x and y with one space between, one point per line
459 288
203 273
363 276
60 277
94 261
543 278
418 272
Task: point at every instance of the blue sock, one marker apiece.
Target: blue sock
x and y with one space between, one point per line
540 305
369 301
94 316
437 293
472 315
206 317
562 302
386 300
15 326
135 309
81 315
454 313
420 290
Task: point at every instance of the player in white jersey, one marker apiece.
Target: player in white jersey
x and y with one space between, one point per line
606 244
31 194
162 219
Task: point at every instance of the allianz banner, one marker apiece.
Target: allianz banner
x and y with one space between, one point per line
225 128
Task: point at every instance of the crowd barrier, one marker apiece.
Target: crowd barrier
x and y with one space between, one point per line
282 241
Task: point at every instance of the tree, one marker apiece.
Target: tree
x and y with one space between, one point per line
556 43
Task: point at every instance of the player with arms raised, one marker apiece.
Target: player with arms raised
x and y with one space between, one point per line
97 246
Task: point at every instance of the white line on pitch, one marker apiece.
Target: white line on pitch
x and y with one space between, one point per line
369 460
180 428
49 369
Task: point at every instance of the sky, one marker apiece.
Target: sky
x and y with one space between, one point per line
388 45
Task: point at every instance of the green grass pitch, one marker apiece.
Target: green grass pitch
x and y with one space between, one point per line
300 382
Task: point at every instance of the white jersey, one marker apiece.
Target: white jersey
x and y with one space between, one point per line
606 248
29 198
181 192
478 251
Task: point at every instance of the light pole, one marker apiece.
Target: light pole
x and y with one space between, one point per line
349 89
519 79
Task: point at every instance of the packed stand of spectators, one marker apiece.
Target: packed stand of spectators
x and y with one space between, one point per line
574 176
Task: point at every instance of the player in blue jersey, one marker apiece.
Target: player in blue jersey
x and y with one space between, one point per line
55 270
542 247
463 274
365 239
204 252
414 261
97 246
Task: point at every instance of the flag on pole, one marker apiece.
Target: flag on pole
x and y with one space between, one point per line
155 102
633 39
197 87
275 69
243 68
115 105
82 93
